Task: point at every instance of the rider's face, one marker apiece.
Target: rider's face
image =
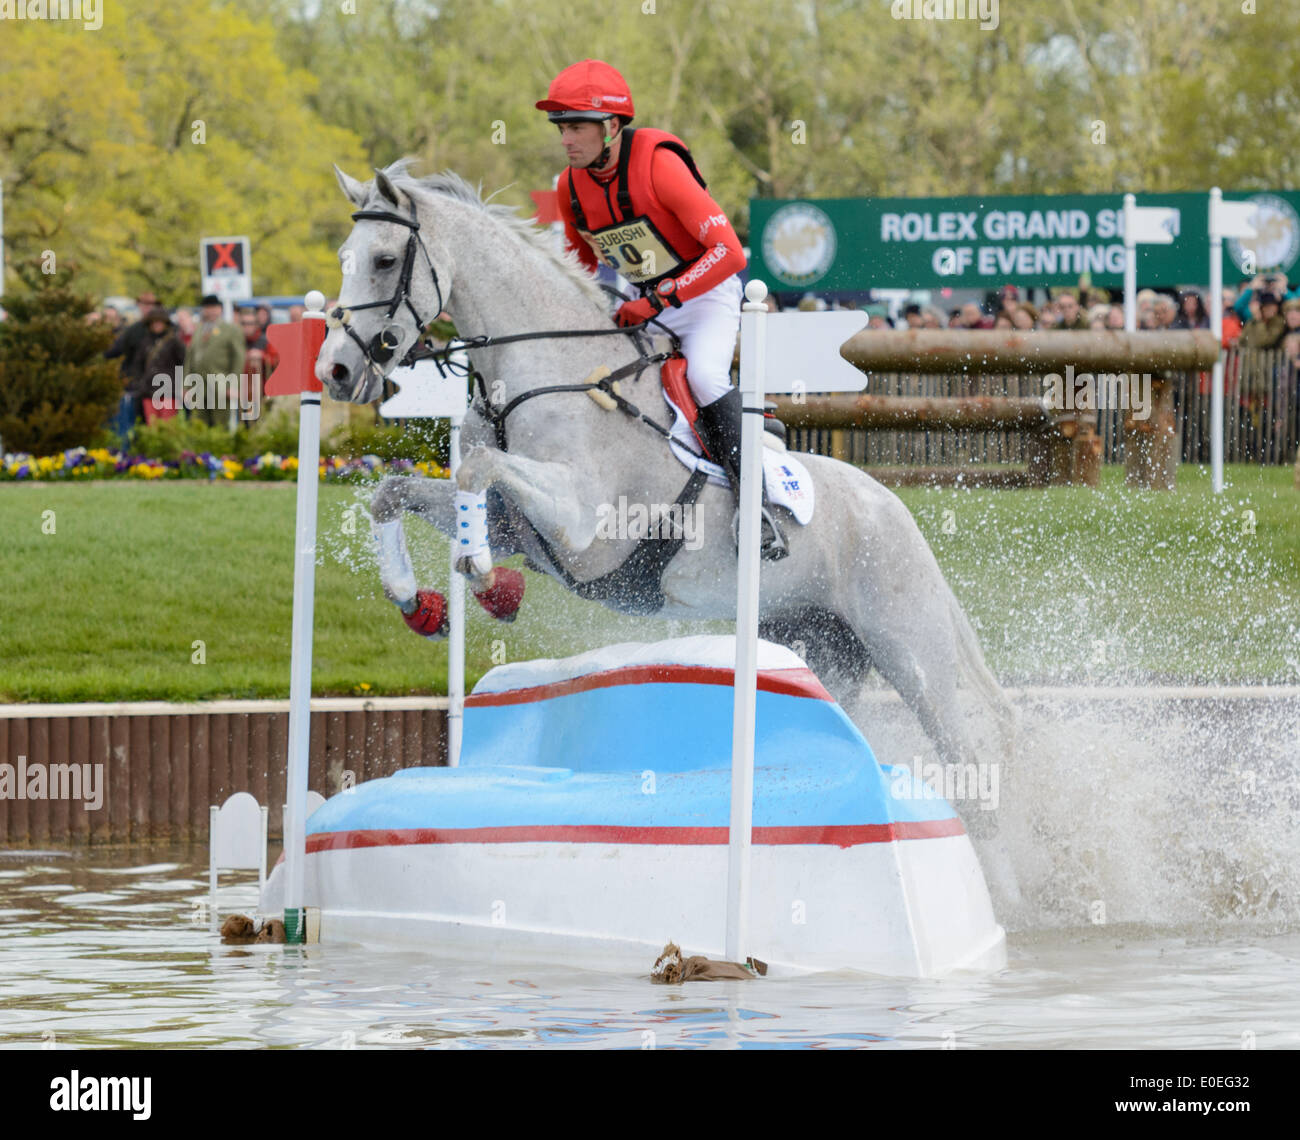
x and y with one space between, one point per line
582 142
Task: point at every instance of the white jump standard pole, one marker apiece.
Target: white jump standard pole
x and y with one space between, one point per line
753 346
1130 265
456 616
1216 326
304 599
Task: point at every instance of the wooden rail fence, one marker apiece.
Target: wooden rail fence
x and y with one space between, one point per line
161 765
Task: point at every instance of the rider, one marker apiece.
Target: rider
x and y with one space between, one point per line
634 200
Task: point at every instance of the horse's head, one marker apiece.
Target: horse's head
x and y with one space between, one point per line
393 285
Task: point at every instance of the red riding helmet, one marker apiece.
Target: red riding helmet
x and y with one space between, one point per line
588 91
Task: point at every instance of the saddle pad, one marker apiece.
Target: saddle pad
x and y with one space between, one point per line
787 480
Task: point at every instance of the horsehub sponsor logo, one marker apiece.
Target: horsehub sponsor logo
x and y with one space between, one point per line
89 12
1088 393
215 391
701 267
83 782
669 522
985 11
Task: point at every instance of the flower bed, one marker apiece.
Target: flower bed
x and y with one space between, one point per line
80 464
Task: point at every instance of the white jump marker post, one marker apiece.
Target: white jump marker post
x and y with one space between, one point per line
424 393
310 335
1227 220
790 347
1143 225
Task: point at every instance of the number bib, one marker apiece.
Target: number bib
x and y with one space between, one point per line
635 249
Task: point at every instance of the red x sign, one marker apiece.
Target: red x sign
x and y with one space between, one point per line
224 257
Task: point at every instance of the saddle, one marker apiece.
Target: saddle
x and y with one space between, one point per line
672 374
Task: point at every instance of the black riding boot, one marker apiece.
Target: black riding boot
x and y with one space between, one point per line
721 423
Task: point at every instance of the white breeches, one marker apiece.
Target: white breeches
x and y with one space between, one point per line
707 325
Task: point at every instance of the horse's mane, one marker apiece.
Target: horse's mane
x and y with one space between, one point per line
452 185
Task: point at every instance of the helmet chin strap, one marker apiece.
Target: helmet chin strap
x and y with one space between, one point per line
602 158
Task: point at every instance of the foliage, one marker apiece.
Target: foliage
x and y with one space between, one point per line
167 440
56 388
787 98
196 127
421 441
822 98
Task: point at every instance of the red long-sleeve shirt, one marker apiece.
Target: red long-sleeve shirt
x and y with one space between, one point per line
694 207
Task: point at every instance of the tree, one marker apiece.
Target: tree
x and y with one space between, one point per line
56 388
195 128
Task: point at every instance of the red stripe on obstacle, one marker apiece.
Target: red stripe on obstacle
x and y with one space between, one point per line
790 682
850 835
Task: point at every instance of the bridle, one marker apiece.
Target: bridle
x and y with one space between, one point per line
384 343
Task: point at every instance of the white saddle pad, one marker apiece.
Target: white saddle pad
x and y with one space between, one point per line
786 480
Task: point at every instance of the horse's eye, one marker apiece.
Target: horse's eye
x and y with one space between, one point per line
385 262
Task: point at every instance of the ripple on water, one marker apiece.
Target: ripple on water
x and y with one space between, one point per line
126 967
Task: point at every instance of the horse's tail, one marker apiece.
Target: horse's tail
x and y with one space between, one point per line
976 671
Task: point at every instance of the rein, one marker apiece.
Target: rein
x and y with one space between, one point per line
497 415
383 344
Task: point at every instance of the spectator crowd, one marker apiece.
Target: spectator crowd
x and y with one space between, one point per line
1263 313
152 342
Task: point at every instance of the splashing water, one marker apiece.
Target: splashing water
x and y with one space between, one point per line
1135 808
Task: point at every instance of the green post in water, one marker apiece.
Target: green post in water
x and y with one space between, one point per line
295 931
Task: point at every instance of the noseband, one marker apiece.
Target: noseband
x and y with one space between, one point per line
384 343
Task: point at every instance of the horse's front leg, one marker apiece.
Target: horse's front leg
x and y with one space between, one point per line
424 611
553 497
499 591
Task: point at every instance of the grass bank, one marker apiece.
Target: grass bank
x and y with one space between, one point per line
183 591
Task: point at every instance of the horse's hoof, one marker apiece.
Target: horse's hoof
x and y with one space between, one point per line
429 618
503 597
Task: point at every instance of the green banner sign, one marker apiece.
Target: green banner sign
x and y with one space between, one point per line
833 244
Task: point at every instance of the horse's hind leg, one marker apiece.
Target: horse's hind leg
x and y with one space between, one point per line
931 693
829 646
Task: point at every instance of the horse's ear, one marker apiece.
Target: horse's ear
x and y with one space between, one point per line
386 188
355 191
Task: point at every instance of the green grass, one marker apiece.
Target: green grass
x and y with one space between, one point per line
1066 584
1062 585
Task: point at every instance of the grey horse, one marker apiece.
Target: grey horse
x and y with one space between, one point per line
860 586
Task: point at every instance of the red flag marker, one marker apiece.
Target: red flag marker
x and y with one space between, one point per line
298 344
548 206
